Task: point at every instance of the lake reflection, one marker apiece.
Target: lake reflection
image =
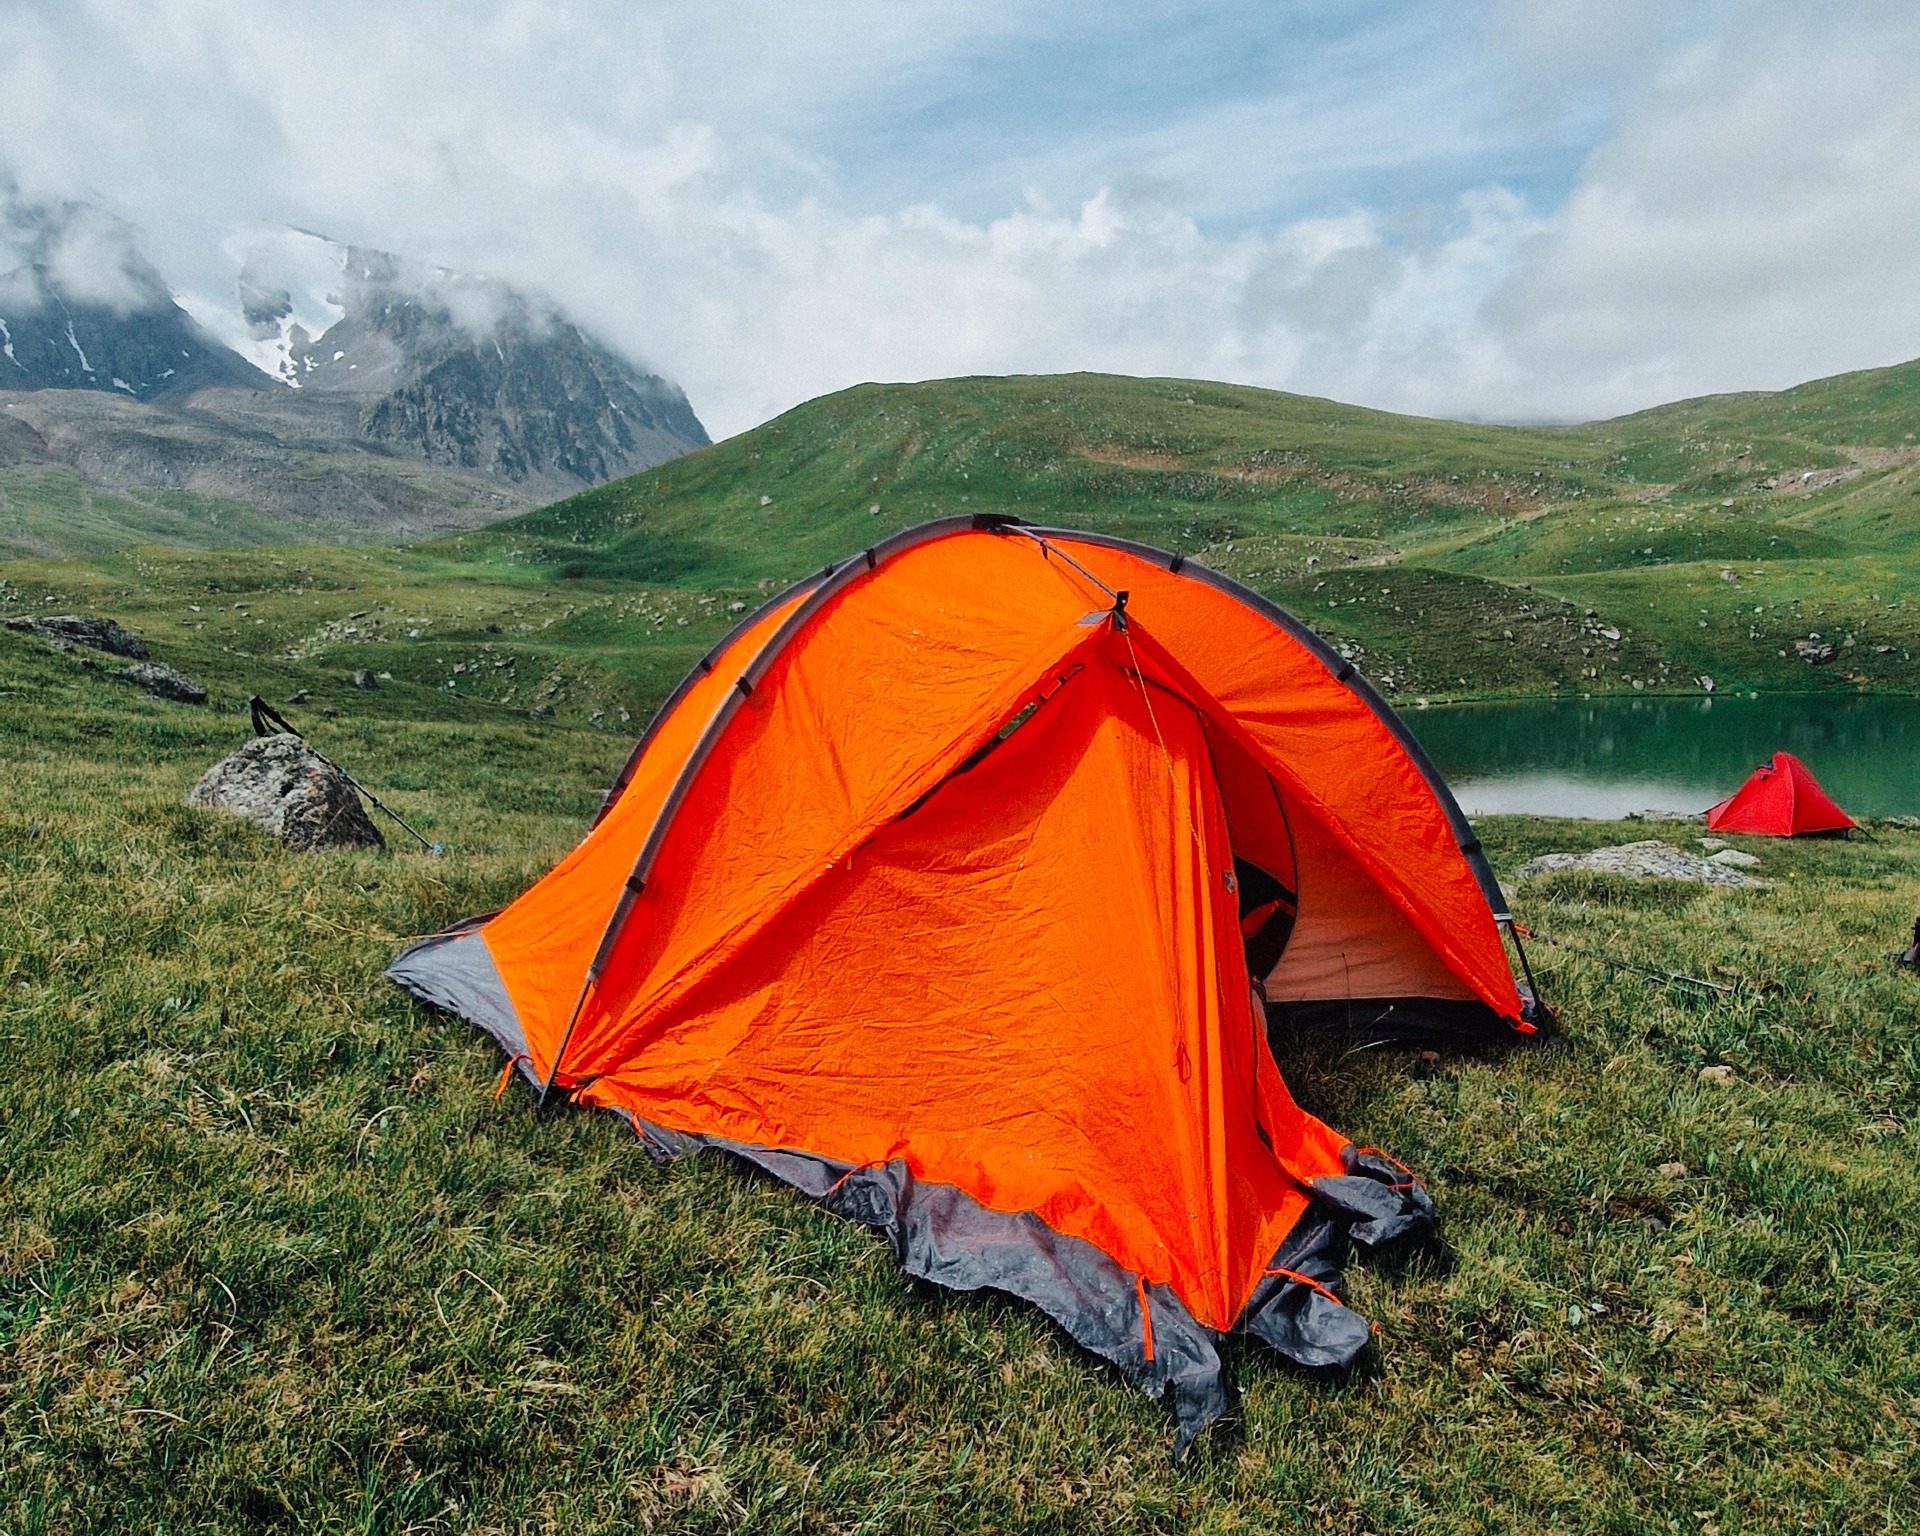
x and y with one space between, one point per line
1607 757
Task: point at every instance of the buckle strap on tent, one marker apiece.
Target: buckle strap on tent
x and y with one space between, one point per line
1306 1280
834 1188
506 1072
1413 1179
1146 1315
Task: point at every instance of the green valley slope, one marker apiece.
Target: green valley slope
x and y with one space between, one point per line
1765 542
1760 541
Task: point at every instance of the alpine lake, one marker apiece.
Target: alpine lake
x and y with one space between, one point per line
1607 758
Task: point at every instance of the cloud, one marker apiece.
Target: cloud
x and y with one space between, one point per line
72 253
1543 209
1755 222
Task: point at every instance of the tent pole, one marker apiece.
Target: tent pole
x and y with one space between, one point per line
1526 969
553 1069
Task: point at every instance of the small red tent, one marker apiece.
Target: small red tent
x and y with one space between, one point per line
963 887
1780 799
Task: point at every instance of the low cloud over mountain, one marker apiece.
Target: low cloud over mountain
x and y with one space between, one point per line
354 355
80 308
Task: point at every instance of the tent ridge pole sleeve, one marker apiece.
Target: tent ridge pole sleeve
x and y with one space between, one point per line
673 700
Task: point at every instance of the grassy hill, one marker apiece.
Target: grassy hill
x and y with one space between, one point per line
273 1257
1707 539
1464 559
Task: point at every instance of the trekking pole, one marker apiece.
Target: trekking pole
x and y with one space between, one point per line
1671 978
265 714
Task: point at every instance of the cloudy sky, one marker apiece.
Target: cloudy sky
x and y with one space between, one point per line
1510 209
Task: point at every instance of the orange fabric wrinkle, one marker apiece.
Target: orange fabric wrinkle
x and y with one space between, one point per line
1328 749
542 942
1001 984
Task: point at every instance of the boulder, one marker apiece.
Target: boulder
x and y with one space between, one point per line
1651 860
164 682
283 786
70 629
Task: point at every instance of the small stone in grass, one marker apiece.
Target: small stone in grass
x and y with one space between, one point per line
164 682
1673 1170
1720 1076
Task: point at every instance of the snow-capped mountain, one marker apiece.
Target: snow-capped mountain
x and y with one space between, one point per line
320 349
467 372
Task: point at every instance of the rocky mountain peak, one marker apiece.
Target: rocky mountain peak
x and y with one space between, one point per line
470 373
325 355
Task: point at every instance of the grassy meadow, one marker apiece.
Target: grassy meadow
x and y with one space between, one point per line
274 1255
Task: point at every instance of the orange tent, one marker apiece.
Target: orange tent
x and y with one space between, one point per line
1779 799
959 888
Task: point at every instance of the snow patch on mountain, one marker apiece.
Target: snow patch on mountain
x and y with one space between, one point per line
291 292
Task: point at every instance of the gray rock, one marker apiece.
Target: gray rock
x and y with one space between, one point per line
364 678
1733 858
66 629
283 786
164 682
1650 860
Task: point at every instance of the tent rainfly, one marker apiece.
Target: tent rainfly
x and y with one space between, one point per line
1780 799
964 888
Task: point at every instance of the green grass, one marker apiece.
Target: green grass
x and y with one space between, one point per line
489 643
55 513
272 1255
